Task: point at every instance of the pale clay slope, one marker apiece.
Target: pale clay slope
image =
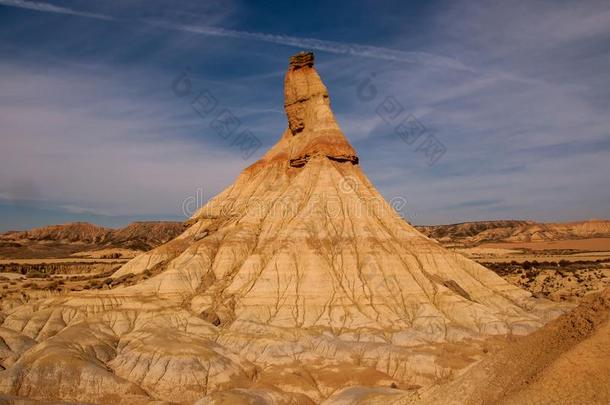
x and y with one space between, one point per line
565 362
300 264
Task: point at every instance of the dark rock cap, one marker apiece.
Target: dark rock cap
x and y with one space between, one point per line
301 59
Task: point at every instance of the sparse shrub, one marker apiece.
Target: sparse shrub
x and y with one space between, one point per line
123 279
35 274
526 265
53 286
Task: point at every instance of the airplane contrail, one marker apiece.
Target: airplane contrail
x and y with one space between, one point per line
50 8
303 43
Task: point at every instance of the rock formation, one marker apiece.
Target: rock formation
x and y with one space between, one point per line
294 274
66 239
474 233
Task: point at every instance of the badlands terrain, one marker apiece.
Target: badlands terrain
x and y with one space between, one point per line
299 284
59 241
559 261
477 233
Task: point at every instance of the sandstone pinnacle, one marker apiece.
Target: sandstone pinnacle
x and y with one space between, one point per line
311 122
296 280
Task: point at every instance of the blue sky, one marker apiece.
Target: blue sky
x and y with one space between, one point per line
517 93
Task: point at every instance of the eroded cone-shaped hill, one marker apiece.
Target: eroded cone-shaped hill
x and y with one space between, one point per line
296 273
302 239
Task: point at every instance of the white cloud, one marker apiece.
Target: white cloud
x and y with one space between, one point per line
50 8
82 140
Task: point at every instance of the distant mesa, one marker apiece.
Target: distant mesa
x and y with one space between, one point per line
57 240
474 233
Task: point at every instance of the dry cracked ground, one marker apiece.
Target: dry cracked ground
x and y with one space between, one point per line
298 284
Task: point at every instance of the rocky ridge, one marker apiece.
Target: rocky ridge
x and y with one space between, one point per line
65 239
474 233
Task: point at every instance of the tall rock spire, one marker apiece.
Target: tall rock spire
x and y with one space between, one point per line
310 119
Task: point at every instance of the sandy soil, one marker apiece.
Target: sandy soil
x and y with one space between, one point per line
564 362
11 276
63 260
542 257
113 253
591 244
487 251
